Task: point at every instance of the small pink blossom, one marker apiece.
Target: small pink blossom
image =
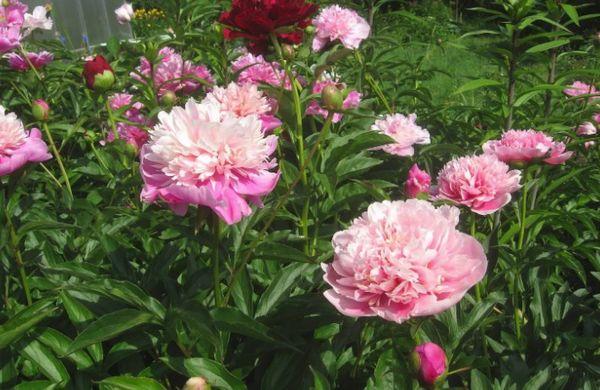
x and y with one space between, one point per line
418 182
134 135
597 118
336 23
124 13
17 147
587 128
482 183
432 362
199 156
351 101
256 70
38 60
580 88
401 260
527 146
242 100
405 131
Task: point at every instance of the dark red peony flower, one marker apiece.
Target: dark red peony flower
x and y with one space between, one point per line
255 20
98 73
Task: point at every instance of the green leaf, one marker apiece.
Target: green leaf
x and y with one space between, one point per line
320 380
355 165
212 371
476 84
26 319
109 326
548 45
81 316
277 251
36 385
130 383
43 357
571 11
479 381
280 286
539 380
59 343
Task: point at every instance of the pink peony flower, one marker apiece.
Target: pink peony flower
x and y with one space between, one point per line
337 23
191 73
199 156
243 100
405 131
10 38
37 20
256 70
418 182
12 14
580 88
135 136
589 144
402 259
482 183
17 147
587 128
527 146
38 60
351 101
597 118
431 362
124 13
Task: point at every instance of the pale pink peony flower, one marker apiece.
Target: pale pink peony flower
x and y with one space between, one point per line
351 101
580 88
196 383
402 259
242 100
337 23
10 38
589 144
256 70
587 128
482 183
418 182
405 131
38 60
527 146
124 13
37 20
432 362
134 135
199 156
17 147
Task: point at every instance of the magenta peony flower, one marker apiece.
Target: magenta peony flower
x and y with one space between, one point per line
134 135
351 101
580 88
418 182
527 146
430 361
199 156
587 128
405 131
17 147
12 13
336 23
482 183
10 38
243 100
402 259
124 13
38 60
256 70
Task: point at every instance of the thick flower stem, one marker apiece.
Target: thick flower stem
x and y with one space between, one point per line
111 120
216 261
14 245
58 158
523 225
473 233
523 215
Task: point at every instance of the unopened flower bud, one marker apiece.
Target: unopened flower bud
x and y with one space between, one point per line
40 110
310 30
98 73
288 51
332 98
169 99
5 3
196 383
429 361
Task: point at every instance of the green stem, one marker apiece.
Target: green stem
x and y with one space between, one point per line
14 244
216 233
473 233
517 315
111 120
523 215
58 159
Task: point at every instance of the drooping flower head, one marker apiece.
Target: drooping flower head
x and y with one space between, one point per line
527 146
431 363
255 20
256 70
98 73
124 13
242 100
336 23
405 131
18 147
38 60
580 88
351 99
401 260
198 155
418 182
482 183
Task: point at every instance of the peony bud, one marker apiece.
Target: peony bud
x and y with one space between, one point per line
40 110
5 3
418 182
586 128
589 144
196 383
124 13
169 99
98 73
332 98
429 361
288 51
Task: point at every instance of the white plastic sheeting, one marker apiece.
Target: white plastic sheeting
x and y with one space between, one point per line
81 23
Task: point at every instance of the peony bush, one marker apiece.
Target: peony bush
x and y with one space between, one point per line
295 194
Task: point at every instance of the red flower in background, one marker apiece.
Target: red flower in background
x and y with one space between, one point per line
98 73
255 20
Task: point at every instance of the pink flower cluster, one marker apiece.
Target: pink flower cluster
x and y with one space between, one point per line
38 60
351 101
201 155
17 147
336 23
402 259
134 135
172 73
527 146
405 131
16 23
256 70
